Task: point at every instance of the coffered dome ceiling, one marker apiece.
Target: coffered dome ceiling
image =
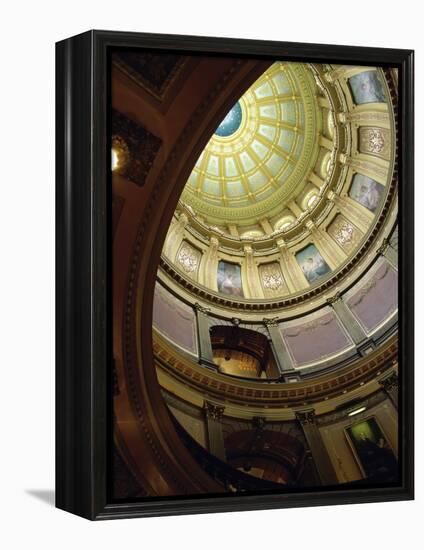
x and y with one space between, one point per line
260 155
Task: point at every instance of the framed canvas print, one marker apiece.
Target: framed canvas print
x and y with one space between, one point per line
234 274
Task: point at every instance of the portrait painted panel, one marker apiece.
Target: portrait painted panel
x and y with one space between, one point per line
229 279
312 263
367 88
373 452
366 191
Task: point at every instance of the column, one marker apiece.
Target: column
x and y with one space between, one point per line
174 237
281 353
209 266
390 384
250 272
204 337
389 253
213 414
354 212
333 255
292 273
317 447
347 319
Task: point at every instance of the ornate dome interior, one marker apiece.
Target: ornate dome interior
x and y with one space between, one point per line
276 290
284 206
256 169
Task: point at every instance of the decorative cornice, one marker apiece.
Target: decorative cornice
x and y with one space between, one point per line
277 394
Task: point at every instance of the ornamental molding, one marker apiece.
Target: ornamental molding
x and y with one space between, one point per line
188 258
278 394
375 141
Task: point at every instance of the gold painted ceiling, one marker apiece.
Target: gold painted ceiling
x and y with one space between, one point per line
258 164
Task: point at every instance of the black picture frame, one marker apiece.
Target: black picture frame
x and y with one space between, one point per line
83 214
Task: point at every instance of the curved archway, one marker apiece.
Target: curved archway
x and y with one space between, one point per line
166 128
144 432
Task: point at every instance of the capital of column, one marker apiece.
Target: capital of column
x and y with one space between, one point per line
201 308
311 226
384 246
214 242
273 322
333 299
306 416
212 411
390 381
346 317
182 220
281 244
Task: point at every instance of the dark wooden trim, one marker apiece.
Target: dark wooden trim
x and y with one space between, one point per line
83 358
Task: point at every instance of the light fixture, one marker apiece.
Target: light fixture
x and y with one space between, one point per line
119 155
114 159
356 411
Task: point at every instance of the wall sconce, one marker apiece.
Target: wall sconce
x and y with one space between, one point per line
120 154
